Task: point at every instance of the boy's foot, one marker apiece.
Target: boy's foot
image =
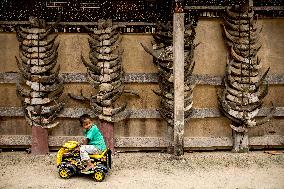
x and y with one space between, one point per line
88 169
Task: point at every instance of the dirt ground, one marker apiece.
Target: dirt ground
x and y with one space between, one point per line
151 170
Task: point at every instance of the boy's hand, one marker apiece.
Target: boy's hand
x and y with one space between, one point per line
84 141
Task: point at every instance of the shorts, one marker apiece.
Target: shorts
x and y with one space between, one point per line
85 150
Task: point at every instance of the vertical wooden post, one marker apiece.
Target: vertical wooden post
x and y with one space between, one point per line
240 142
245 5
108 133
170 137
240 139
39 140
250 3
178 61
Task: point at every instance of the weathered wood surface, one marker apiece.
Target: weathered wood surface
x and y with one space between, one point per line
11 77
120 24
265 141
107 129
267 8
240 142
39 140
178 61
136 114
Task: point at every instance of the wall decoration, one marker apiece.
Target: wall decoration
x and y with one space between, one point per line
162 52
244 85
39 87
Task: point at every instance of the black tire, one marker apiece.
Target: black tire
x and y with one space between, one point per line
65 172
99 175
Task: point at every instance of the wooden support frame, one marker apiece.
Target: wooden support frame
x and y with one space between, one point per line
257 8
197 113
120 24
178 72
202 143
273 79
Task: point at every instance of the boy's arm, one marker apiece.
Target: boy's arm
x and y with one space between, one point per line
85 141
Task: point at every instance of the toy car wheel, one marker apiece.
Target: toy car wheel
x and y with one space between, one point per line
65 173
99 175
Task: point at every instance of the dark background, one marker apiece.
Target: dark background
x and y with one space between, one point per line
118 10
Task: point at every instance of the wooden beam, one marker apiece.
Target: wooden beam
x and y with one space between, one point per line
11 77
269 8
120 24
178 61
137 113
266 141
220 8
141 78
204 7
251 3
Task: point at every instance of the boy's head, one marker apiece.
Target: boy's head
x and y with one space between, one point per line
85 121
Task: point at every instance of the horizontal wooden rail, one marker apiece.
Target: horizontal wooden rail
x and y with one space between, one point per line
257 8
120 24
265 141
135 113
11 77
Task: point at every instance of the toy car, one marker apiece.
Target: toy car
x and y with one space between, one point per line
69 162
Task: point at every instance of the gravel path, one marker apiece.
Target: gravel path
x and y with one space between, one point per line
151 170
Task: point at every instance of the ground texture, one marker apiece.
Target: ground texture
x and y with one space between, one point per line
151 170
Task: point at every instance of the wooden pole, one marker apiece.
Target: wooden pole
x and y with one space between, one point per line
240 142
108 133
251 3
241 139
178 60
39 140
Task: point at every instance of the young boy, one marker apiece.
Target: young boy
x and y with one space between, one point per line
93 143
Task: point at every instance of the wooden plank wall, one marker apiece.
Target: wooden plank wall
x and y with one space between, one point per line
208 129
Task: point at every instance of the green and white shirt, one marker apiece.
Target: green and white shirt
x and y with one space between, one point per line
95 137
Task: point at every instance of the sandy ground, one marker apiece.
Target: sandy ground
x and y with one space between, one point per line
151 170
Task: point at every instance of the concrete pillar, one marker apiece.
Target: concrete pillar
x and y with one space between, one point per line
178 60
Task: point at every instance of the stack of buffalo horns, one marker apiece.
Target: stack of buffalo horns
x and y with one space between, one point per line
39 85
162 52
105 71
244 86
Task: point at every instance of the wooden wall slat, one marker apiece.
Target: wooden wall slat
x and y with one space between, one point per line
139 113
150 142
11 77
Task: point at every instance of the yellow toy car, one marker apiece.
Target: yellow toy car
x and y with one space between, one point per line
69 162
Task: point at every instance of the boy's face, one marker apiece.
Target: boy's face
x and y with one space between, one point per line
87 124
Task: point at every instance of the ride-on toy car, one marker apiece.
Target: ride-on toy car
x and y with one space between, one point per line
69 162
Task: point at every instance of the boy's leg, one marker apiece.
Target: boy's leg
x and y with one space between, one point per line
85 150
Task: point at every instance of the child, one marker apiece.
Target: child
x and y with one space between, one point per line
93 143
